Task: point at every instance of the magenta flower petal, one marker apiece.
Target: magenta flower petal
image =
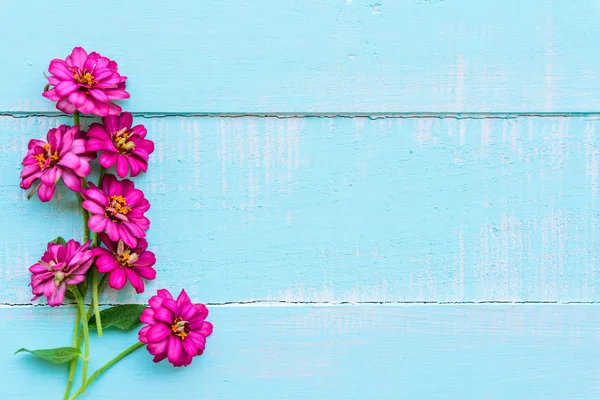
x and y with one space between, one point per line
206 329
143 334
135 280
174 350
71 180
171 305
58 157
107 160
164 315
117 279
78 57
127 234
51 176
188 311
159 347
65 88
92 207
155 302
78 99
158 332
97 223
60 69
86 82
45 193
170 334
147 316
198 338
202 310
94 194
58 295
60 265
66 106
70 161
122 166
183 299
106 263
145 272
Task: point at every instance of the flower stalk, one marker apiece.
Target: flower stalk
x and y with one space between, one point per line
86 338
77 345
106 366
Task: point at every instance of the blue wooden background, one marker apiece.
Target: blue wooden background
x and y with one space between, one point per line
378 199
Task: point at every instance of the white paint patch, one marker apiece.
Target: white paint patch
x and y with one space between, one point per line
498 259
460 83
486 137
423 134
224 130
549 75
268 151
554 237
591 158
197 149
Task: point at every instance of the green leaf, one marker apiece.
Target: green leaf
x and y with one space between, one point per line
126 316
58 240
59 355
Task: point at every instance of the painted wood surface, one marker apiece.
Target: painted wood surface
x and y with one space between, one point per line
346 209
332 56
398 153
344 352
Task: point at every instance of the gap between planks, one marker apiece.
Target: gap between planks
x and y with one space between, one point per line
284 115
268 303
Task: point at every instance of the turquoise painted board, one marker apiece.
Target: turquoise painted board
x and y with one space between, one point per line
318 56
393 156
347 209
329 353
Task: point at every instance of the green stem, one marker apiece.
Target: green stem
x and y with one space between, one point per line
76 118
86 338
95 300
86 217
106 366
74 360
89 311
102 281
95 286
102 173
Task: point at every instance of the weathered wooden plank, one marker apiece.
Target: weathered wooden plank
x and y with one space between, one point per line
380 352
338 209
317 56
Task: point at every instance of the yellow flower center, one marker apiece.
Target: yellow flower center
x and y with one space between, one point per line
85 79
120 141
180 328
119 203
42 158
123 258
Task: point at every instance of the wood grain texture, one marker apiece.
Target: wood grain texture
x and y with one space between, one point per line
378 352
345 209
317 56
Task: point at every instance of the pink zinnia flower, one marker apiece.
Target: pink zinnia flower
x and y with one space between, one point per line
61 265
86 82
118 208
125 263
121 144
176 329
62 156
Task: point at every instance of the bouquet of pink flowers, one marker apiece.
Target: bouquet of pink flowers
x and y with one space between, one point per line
114 248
